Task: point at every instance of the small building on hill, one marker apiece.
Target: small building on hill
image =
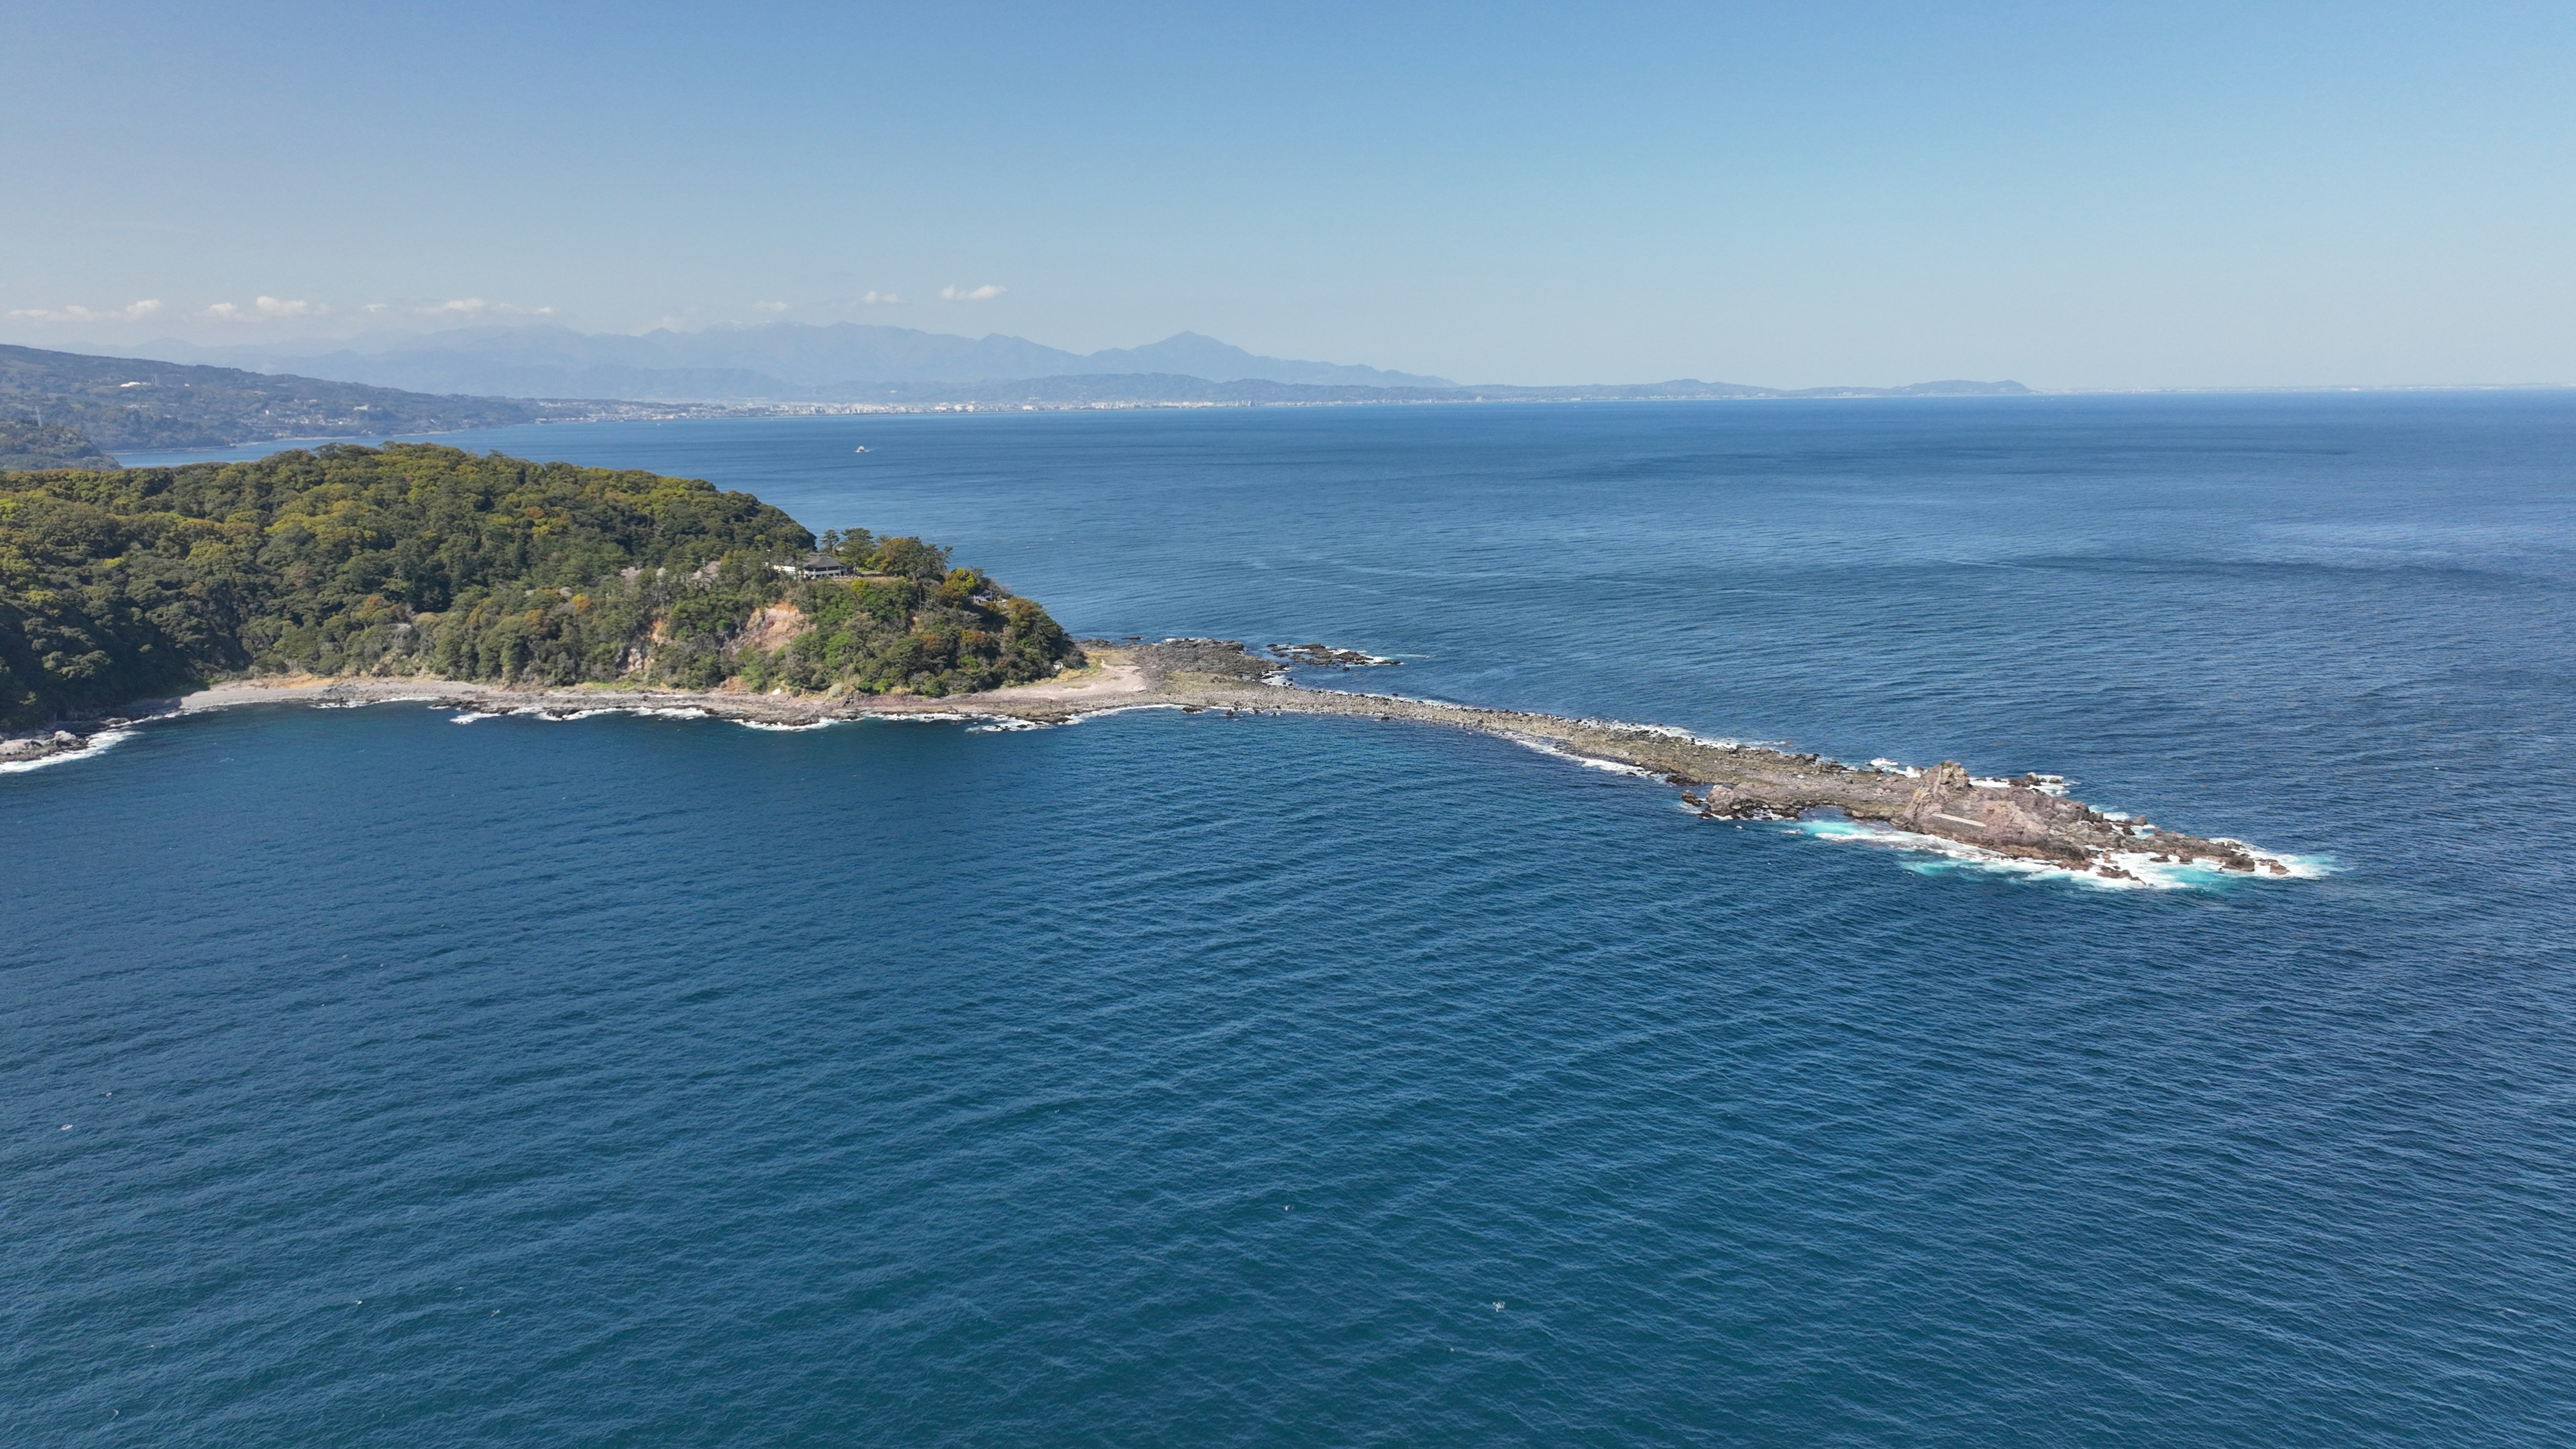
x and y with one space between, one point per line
816 566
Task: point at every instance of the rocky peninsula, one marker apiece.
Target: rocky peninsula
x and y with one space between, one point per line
2028 818
346 575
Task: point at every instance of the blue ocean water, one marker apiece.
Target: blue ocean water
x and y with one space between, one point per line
1178 1080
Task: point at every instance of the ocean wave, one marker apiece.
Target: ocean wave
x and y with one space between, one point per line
1550 747
1115 709
2145 872
944 716
374 700
104 739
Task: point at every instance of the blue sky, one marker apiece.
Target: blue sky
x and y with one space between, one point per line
2072 195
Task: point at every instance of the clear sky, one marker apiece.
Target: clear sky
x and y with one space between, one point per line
2075 195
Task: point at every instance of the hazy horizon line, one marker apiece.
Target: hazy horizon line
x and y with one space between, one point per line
92 348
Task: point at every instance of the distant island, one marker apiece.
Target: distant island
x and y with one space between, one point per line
350 574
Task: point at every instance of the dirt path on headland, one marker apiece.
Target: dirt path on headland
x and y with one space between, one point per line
2028 817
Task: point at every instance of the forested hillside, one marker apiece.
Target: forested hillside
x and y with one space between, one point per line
125 403
27 444
415 559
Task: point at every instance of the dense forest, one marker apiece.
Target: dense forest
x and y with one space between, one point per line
415 559
125 403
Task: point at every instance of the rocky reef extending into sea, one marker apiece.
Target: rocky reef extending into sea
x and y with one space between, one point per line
2026 818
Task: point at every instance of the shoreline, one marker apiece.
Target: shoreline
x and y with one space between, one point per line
2028 819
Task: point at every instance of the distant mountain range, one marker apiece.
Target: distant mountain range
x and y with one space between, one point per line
848 362
61 403
1127 389
775 362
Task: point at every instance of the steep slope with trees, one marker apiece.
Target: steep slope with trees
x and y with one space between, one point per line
422 560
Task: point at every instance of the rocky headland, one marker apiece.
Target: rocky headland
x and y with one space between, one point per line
2028 818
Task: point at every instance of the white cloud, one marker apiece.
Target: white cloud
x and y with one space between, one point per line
264 309
372 308
872 297
984 293
130 312
769 306
477 306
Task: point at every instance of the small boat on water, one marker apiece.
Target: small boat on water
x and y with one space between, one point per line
860 449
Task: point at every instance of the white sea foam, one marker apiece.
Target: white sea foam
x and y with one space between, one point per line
945 716
787 729
103 740
376 699
1090 714
1550 747
471 715
2145 871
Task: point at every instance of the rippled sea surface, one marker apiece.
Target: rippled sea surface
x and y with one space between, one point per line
370 1080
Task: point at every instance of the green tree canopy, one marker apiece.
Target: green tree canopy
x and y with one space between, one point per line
414 558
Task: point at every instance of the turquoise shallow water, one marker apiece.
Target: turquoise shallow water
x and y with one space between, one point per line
1171 1079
